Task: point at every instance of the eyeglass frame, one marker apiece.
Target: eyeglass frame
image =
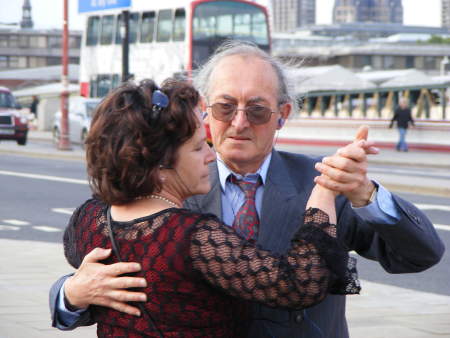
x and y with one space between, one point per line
243 110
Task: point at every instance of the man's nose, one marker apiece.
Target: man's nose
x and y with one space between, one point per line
240 120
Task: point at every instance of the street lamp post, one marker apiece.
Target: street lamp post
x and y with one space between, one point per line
125 34
64 142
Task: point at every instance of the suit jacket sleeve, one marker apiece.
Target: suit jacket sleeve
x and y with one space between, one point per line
83 320
410 245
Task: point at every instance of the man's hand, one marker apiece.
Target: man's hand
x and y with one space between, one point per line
346 171
100 284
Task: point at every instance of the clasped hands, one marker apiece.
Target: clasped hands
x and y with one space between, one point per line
345 172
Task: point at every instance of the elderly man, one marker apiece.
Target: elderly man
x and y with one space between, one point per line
247 101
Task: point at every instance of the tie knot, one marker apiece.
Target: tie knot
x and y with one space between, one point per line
249 188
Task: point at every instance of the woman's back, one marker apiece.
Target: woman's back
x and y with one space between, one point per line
180 301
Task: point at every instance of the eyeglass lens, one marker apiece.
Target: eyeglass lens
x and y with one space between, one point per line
256 114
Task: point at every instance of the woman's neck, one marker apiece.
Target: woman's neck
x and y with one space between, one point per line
145 206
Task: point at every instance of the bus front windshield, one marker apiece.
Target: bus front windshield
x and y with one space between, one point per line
214 22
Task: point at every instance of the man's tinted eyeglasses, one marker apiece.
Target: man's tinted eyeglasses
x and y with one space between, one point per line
255 114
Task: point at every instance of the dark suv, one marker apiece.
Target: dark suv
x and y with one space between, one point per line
13 126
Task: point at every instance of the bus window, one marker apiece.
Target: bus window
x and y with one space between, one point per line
104 84
134 24
224 26
147 26
92 30
259 28
164 25
242 27
118 39
107 30
179 25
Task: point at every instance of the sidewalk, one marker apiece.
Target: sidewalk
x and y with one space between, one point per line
381 311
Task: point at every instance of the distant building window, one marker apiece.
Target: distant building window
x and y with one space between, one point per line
429 62
92 30
3 61
388 62
147 26
409 62
3 40
54 42
53 61
13 62
107 30
179 25
164 25
13 41
24 41
75 42
36 61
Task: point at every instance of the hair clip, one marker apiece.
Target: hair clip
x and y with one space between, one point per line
159 100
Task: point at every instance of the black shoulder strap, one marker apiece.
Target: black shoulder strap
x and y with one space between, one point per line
115 248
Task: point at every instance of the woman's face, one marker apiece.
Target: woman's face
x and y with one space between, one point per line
191 167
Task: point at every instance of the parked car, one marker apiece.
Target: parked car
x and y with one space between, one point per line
80 116
13 125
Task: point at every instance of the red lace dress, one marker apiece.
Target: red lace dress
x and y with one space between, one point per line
194 264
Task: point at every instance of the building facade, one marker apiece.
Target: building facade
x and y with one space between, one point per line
377 11
288 15
29 48
445 13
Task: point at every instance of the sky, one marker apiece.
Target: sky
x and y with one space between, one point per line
49 13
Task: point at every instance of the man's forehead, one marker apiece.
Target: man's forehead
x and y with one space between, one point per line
249 73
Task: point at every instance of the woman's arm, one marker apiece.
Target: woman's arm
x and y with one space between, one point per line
299 279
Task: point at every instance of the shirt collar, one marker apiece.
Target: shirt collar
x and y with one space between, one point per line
224 171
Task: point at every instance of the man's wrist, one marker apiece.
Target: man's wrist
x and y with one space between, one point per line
369 197
69 306
69 301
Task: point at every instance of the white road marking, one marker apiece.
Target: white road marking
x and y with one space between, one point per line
432 206
442 227
8 227
44 177
67 211
46 228
15 222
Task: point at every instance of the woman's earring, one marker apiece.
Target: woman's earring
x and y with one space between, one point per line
163 178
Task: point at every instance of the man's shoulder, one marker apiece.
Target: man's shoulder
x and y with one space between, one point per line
298 159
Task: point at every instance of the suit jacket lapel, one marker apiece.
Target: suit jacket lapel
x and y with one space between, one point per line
282 206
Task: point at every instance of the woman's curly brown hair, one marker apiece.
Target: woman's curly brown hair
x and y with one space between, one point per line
126 146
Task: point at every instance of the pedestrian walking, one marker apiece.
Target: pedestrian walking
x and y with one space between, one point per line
402 115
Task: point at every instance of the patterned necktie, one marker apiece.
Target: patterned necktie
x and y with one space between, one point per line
246 222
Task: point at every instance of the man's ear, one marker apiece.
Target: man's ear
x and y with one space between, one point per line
285 111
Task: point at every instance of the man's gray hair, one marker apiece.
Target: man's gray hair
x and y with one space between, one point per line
202 78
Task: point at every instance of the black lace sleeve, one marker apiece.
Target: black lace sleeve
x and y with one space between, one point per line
299 279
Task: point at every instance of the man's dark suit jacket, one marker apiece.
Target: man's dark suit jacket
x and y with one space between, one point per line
411 245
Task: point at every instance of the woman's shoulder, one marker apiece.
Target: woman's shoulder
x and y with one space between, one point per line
89 209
